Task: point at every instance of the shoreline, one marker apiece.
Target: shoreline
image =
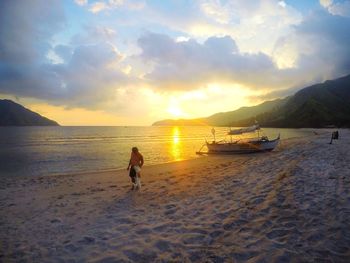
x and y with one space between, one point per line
80 173
292 204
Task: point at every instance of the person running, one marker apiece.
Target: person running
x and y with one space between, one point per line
135 164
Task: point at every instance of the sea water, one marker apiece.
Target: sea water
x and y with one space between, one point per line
40 151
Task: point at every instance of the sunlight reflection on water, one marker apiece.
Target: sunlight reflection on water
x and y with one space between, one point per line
176 144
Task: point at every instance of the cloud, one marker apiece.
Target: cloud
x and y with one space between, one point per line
282 4
189 64
326 3
81 2
337 7
26 32
215 10
27 29
254 25
90 78
320 45
90 34
100 6
88 75
315 50
263 46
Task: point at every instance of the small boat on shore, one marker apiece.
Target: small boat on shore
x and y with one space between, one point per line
238 146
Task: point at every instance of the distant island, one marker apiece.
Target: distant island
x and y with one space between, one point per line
321 105
14 114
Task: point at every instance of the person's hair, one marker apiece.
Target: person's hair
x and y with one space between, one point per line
134 149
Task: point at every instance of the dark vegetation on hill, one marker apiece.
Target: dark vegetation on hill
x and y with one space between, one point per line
14 114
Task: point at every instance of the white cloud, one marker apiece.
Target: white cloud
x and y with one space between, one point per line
341 9
113 4
116 2
317 48
98 7
282 3
189 65
216 11
337 8
326 3
81 2
255 25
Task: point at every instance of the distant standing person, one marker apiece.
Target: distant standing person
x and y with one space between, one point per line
135 164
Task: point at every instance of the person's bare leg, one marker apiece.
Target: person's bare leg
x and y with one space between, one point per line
133 182
138 182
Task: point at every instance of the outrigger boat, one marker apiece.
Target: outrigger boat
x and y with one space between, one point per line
259 144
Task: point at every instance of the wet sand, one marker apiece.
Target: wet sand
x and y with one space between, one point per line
289 205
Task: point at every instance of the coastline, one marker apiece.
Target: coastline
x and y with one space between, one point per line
292 204
67 150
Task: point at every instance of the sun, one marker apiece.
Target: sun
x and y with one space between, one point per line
174 110
175 107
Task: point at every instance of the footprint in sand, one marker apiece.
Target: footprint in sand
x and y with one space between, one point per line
143 231
123 220
146 256
194 239
55 221
170 212
256 200
216 234
245 256
277 233
72 248
87 240
163 245
234 224
170 206
109 260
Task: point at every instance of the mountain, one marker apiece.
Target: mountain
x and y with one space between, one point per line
222 119
226 118
320 105
13 114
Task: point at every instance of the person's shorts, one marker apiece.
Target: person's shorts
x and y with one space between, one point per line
137 168
132 173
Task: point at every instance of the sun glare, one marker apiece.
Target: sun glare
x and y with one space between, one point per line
174 111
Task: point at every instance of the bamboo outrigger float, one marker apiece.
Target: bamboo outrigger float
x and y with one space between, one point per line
238 146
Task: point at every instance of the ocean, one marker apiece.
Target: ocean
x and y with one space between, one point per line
40 151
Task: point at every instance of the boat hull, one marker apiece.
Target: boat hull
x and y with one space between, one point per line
243 147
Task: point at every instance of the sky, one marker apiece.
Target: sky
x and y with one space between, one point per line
134 62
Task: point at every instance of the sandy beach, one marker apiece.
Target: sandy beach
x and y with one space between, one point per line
289 205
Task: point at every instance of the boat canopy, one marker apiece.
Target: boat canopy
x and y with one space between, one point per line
244 130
